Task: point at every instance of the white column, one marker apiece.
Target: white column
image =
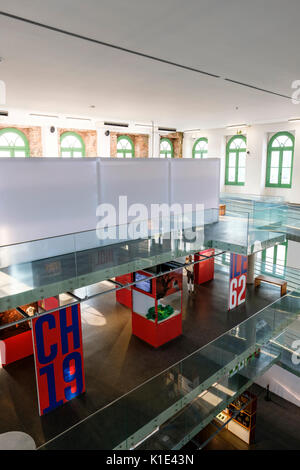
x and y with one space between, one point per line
49 142
103 143
251 263
156 144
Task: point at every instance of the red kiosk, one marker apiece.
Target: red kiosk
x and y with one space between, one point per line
157 306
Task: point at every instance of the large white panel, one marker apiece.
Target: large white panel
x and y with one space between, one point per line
42 197
143 181
195 181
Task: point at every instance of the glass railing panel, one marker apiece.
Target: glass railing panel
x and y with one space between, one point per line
179 430
156 401
45 268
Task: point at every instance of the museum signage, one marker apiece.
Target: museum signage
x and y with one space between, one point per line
57 339
238 280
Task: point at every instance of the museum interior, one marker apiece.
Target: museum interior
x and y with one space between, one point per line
149 225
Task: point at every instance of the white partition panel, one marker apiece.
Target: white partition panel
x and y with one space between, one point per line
194 181
143 181
42 197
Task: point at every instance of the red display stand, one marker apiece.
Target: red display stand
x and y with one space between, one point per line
16 341
157 307
205 270
124 296
49 304
15 348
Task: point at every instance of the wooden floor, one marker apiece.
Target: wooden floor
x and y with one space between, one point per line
116 361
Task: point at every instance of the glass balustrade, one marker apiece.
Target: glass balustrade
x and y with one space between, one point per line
233 360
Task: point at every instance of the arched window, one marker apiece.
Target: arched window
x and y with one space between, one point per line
71 145
166 148
125 147
13 143
280 160
235 172
200 148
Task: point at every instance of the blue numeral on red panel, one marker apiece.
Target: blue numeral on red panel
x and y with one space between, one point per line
53 403
69 375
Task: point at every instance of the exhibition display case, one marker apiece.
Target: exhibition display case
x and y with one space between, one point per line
243 417
157 305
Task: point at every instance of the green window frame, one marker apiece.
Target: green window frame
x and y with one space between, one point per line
166 148
125 147
71 145
200 148
13 143
280 160
235 171
272 264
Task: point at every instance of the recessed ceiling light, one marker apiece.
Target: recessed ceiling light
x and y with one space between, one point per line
92 106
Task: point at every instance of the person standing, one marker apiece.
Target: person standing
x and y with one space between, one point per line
189 268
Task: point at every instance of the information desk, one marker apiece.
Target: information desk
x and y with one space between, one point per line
157 306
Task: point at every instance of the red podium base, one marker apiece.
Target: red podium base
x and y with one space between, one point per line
156 334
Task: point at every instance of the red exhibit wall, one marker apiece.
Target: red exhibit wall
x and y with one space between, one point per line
124 296
205 270
156 334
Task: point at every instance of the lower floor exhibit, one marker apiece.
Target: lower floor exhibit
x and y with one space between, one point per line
116 362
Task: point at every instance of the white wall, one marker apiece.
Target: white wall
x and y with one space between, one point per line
257 139
50 140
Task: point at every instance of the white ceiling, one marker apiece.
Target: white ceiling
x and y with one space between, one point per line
251 41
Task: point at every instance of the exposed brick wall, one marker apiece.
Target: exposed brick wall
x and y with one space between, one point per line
34 136
140 141
89 138
177 140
